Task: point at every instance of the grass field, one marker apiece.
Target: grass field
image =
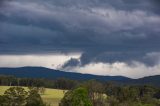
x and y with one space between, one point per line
51 96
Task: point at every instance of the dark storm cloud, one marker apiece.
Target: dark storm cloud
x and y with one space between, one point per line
150 59
102 30
1 3
71 63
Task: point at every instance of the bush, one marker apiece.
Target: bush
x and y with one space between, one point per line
77 97
15 96
34 98
2 101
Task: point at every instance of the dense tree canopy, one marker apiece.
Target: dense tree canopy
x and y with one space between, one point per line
77 97
15 96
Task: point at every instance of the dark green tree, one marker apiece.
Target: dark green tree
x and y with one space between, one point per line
34 98
15 96
95 91
2 101
157 95
77 97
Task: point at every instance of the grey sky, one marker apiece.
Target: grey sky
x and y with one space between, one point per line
106 31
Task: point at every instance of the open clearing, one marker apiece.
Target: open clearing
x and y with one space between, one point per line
51 96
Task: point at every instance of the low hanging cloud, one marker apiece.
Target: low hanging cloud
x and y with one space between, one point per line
133 66
149 59
139 70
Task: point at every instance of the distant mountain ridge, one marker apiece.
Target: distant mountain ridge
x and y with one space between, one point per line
41 72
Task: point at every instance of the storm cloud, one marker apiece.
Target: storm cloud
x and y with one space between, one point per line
106 31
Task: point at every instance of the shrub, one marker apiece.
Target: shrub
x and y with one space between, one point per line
15 96
77 97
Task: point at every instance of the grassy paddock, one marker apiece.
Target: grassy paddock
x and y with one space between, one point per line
51 96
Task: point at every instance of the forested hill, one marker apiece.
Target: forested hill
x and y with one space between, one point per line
41 72
150 80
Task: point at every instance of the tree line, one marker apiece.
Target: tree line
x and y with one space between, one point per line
60 83
93 92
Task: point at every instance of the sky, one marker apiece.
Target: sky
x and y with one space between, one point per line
102 37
